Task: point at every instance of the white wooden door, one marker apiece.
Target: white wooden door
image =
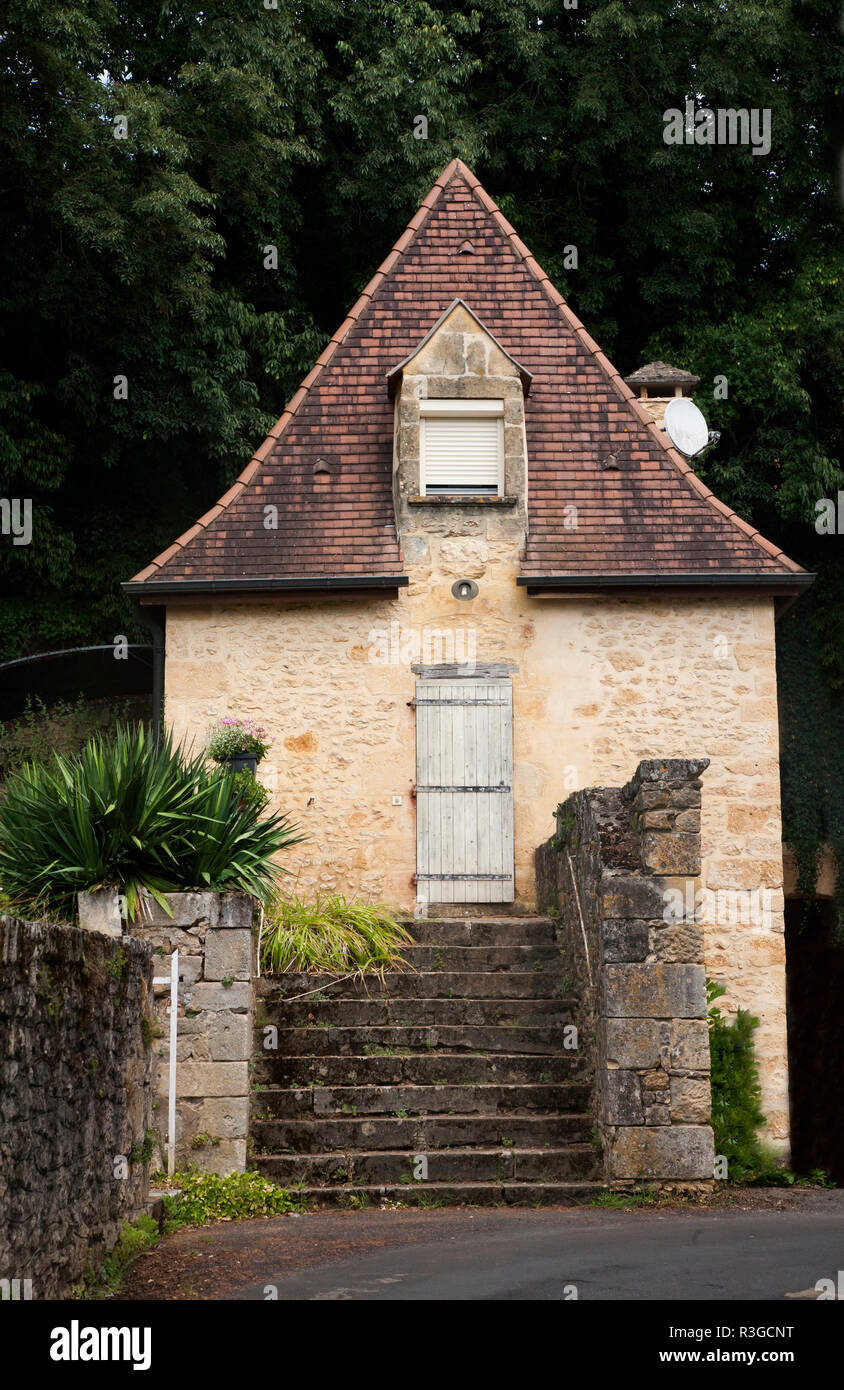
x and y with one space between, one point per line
464 790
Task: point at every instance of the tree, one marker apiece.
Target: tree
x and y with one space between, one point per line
271 155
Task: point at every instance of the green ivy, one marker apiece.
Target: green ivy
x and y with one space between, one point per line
736 1110
811 752
736 1102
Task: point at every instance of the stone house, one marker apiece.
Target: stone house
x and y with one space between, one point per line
465 574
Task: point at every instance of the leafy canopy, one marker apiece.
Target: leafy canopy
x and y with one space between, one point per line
295 128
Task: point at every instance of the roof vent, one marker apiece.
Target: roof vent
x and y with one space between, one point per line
322 473
610 461
466 249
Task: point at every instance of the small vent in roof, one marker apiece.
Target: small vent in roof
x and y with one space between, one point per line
466 249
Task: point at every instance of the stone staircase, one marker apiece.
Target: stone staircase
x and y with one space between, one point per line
459 1062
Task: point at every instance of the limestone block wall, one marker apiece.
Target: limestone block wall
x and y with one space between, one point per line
213 935
640 977
602 682
75 1100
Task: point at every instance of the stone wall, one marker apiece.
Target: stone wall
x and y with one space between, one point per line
610 870
602 682
75 1099
213 935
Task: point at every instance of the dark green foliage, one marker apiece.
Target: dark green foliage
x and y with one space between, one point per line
133 814
812 753
565 826
294 128
64 727
736 1110
117 964
139 258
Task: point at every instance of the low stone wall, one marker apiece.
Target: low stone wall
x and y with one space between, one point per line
75 1100
619 873
213 935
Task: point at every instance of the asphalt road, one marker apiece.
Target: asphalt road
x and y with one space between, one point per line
629 1256
507 1254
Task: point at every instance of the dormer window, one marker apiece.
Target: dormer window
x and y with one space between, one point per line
461 445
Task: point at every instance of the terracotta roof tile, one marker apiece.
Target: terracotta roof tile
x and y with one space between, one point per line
651 515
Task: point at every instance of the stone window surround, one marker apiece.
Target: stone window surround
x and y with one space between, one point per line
409 403
459 360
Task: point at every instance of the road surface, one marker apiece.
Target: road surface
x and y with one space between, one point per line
770 1251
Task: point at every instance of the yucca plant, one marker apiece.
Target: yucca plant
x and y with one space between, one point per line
231 845
331 935
136 814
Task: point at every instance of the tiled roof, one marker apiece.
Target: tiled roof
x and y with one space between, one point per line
661 374
649 515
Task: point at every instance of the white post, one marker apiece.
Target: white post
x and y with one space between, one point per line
171 1108
173 980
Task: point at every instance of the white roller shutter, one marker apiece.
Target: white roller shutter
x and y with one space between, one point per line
462 452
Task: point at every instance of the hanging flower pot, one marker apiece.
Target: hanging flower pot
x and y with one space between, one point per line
238 744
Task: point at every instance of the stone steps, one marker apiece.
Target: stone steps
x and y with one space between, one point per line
405 1013
432 1067
462 1060
492 931
472 958
422 984
375 1167
458 1194
502 912
370 1038
438 1097
416 1133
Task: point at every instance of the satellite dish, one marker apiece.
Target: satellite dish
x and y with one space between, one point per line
685 426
